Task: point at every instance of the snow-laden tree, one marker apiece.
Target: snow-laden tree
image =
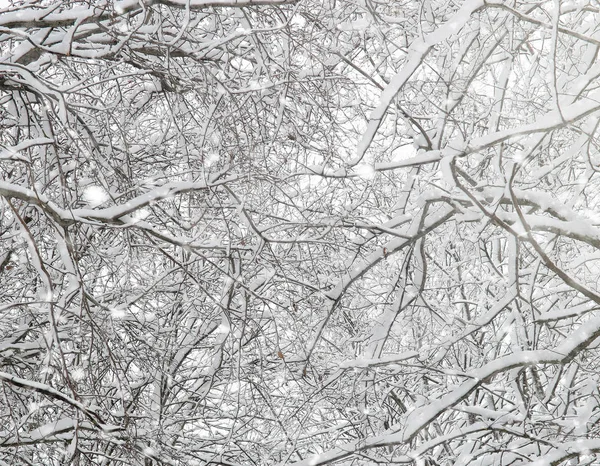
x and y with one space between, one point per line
274 232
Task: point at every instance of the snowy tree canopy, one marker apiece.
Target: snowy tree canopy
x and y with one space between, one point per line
270 232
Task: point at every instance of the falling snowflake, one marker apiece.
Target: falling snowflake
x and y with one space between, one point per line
95 196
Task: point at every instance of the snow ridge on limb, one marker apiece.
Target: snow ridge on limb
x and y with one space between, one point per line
11 152
375 362
201 4
48 17
420 418
417 53
108 214
548 122
60 430
57 395
391 247
567 451
355 273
